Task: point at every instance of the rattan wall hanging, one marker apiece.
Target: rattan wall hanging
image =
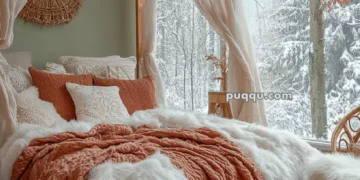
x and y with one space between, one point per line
50 12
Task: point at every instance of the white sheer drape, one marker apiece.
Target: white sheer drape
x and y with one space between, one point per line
228 19
147 47
9 9
8 108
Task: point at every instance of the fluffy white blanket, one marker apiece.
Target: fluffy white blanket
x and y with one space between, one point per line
277 154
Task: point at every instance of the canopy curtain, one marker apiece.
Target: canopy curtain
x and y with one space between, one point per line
8 108
228 19
9 9
148 67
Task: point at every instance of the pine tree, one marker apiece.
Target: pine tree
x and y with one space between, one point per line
283 53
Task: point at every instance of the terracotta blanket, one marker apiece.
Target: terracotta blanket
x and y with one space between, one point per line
200 153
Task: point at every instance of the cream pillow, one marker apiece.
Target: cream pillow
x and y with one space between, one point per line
97 103
21 59
32 110
20 78
105 67
54 68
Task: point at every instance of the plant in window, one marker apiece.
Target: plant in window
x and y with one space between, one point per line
220 63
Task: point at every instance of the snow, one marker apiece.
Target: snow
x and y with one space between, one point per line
282 48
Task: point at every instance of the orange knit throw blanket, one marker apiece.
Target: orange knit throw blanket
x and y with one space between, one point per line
200 153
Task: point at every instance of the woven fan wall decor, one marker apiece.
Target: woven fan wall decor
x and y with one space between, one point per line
50 12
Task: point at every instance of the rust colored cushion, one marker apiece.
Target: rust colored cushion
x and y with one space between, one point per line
136 94
52 89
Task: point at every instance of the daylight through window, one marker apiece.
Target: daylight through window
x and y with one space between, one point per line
281 34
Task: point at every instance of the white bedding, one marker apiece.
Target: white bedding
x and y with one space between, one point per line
277 154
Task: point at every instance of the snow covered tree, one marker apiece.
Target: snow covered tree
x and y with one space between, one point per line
184 38
342 49
317 70
283 55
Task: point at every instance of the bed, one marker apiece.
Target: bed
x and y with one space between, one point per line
160 143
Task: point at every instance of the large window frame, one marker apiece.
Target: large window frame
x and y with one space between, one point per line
319 144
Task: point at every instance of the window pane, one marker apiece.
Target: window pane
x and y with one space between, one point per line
282 47
184 38
281 33
342 48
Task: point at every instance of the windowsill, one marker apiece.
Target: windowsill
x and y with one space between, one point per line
324 146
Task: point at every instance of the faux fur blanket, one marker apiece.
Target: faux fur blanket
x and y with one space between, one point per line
278 155
201 153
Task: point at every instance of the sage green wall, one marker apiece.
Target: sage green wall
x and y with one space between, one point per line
101 28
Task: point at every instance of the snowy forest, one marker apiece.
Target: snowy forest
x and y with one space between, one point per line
282 44
184 38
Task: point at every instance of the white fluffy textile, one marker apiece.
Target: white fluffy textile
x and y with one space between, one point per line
277 154
156 167
332 167
32 110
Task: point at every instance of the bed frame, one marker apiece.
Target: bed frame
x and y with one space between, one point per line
138 36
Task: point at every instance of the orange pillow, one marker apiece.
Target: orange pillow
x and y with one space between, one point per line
52 89
136 94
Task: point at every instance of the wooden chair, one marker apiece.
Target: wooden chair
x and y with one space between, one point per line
347 133
217 100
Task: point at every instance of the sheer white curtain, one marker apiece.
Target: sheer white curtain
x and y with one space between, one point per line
147 47
228 19
9 9
8 108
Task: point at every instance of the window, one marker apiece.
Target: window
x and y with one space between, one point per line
281 32
184 38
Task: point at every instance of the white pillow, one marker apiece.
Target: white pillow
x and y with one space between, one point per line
121 71
54 68
97 102
20 78
32 110
105 67
69 59
21 59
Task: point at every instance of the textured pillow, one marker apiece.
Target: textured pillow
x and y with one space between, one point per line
121 71
20 79
32 110
96 102
99 70
52 89
136 94
21 59
54 68
70 59
105 67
